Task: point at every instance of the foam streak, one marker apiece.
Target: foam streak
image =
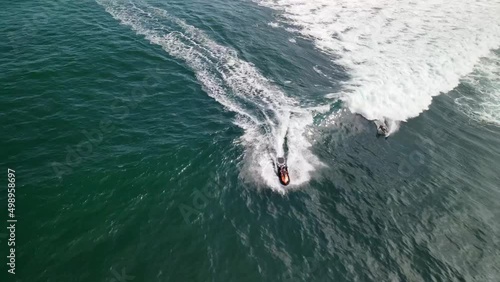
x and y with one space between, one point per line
262 109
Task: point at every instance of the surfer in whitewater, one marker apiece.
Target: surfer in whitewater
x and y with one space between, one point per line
383 130
283 171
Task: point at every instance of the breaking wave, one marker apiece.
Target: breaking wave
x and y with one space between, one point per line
399 54
483 104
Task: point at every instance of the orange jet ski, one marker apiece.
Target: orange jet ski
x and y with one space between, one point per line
283 171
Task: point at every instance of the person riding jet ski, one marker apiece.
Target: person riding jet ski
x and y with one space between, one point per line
283 171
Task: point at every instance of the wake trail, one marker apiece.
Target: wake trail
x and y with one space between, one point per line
265 113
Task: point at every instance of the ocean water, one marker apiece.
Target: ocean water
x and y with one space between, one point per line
143 136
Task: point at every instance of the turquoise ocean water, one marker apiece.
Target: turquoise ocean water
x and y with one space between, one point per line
143 135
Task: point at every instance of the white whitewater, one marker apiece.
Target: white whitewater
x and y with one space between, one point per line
399 53
483 104
263 111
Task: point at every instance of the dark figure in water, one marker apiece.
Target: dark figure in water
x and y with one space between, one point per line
383 129
283 172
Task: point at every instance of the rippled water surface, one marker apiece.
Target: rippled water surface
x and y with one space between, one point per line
143 136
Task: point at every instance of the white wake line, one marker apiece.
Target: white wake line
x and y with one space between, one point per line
218 67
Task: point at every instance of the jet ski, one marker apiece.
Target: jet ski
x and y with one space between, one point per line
282 171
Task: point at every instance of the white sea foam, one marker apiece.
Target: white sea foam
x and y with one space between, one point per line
265 113
399 53
273 24
484 103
